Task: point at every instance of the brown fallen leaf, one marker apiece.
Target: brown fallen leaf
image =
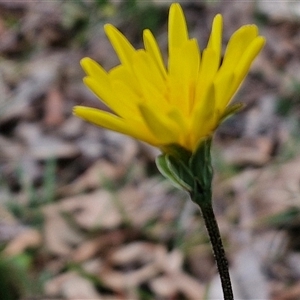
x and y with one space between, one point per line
186 284
147 256
71 286
163 286
29 238
251 151
189 286
54 113
172 262
90 248
42 147
134 252
289 293
94 210
59 236
96 176
269 191
123 281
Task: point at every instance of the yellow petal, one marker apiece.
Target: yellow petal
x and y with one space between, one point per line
183 75
163 128
248 56
215 40
153 49
208 69
112 122
147 73
125 101
223 87
127 76
93 69
237 44
204 117
178 33
117 97
182 123
245 62
121 45
101 91
181 104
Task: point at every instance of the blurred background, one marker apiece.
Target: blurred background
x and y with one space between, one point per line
84 213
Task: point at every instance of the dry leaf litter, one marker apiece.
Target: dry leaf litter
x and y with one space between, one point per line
84 213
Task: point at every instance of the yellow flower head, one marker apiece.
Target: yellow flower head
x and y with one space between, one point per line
180 104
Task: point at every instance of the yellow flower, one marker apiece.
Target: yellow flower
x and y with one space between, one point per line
180 104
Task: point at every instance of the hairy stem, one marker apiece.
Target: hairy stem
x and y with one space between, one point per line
218 249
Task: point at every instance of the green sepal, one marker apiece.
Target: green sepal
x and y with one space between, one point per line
180 171
166 168
189 171
231 110
200 164
178 152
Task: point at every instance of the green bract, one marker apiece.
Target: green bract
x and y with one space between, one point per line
191 172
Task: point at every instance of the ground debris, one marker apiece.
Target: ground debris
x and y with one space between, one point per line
83 211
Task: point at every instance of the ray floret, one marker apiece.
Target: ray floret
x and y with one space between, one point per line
179 103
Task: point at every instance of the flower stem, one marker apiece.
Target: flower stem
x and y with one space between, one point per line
193 172
218 249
